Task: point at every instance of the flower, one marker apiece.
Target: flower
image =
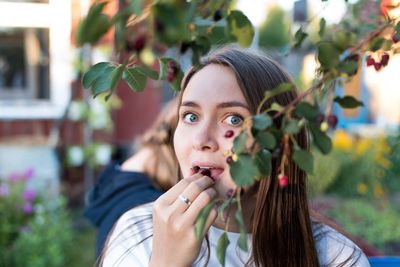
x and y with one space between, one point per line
29 173
342 141
27 208
29 195
4 190
14 177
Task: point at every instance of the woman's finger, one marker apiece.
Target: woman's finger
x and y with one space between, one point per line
203 199
188 197
172 194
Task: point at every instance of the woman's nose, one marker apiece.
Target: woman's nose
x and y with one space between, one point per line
206 138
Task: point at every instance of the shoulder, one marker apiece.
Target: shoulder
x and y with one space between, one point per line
129 243
335 249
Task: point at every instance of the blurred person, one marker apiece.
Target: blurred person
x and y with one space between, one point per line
142 178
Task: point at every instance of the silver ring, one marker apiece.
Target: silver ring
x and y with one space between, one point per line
185 200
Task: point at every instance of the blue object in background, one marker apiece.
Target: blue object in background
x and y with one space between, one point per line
384 261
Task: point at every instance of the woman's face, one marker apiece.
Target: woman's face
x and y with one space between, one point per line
212 104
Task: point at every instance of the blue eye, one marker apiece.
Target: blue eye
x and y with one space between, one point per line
234 120
190 117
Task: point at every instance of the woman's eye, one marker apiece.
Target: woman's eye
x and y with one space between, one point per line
234 120
190 117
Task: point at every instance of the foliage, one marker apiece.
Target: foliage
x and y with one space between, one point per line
362 167
377 225
274 31
145 30
34 230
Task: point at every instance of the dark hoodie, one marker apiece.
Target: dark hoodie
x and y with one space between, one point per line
115 192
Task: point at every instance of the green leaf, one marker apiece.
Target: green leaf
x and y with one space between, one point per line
320 139
163 68
93 26
344 39
244 171
240 27
306 110
152 74
239 144
261 121
397 31
292 127
135 79
322 25
349 66
276 107
348 102
299 37
222 244
176 84
225 204
328 55
376 44
263 160
104 82
304 160
266 139
202 219
281 88
242 241
94 73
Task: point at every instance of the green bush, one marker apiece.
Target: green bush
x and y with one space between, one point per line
35 229
377 225
358 167
47 240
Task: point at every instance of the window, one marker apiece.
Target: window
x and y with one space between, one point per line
35 62
24 63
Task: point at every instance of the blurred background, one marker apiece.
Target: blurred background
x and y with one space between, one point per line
55 138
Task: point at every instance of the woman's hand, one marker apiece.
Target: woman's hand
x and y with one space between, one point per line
174 240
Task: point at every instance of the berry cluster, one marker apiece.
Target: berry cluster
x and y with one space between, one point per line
384 60
326 122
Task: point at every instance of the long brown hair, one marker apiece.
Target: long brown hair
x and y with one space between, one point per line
281 225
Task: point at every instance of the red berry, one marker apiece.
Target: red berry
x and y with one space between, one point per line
140 42
229 134
320 118
283 181
394 38
385 59
206 172
172 70
229 160
332 121
377 66
370 61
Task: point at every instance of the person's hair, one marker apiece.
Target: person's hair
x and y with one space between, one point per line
162 166
281 226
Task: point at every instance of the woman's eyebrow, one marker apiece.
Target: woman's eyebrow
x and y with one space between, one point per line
231 104
228 104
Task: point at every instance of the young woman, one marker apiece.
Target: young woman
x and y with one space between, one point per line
215 98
